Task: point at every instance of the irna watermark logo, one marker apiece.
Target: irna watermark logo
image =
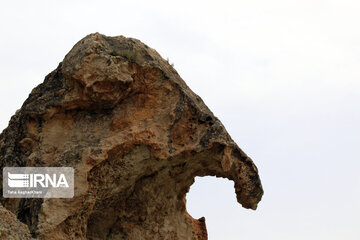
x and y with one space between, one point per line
38 182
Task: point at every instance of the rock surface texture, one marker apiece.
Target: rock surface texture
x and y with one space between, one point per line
135 134
11 228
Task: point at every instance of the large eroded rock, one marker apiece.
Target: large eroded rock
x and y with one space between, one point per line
135 134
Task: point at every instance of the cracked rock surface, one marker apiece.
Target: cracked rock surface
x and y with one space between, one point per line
136 136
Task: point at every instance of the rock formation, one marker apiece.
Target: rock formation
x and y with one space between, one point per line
135 134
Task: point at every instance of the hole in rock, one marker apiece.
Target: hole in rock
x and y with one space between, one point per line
215 199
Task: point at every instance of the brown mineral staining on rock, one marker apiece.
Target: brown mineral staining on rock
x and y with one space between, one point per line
135 134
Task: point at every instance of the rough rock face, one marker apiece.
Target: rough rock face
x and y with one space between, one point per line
135 134
11 228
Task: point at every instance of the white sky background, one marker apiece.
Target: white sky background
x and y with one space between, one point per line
282 76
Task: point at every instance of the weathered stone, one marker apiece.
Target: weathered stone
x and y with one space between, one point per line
11 228
135 134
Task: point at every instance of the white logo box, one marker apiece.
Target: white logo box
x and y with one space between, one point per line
38 182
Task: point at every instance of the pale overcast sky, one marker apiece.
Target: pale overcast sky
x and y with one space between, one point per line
283 77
